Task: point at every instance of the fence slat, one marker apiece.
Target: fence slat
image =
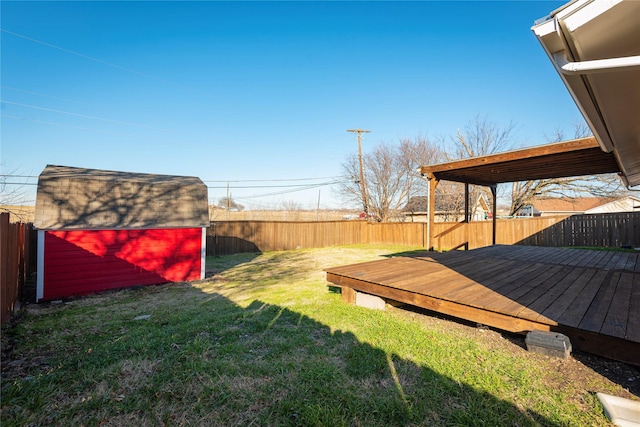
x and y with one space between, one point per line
15 262
229 237
608 230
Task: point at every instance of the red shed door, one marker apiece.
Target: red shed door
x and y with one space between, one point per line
82 262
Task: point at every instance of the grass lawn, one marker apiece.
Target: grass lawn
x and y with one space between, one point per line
264 341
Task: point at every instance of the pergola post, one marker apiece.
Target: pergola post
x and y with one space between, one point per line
432 182
466 202
467 216
494 208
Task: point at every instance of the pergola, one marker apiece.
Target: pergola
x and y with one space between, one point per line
559 160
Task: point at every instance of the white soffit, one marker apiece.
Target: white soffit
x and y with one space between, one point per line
609 99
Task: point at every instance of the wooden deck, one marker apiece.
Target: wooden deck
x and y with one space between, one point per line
593 297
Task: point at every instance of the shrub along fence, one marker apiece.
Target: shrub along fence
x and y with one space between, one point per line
607 230
16 241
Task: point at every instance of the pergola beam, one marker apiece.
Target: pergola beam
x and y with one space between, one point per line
576 157
559 160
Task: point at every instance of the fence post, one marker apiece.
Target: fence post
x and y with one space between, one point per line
5 304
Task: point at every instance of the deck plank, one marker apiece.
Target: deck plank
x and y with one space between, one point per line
633 324
518 288
494 278
587 259
537 289
622 261
604 261
615 323
554 292
583 300
475 279
565 302
632 263
597 312
507 284
595 260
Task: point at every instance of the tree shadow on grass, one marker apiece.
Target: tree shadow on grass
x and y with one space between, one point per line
212 362
217 264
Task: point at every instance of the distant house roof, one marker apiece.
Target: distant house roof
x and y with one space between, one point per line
78 198
570 204
417 204
420 204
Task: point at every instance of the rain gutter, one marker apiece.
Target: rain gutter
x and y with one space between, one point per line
595 66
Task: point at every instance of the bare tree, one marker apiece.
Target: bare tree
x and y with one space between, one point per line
13 195
291 206
230 204
449 201
482 137
349 189
391 175
387 181
525 192
479 137
414 153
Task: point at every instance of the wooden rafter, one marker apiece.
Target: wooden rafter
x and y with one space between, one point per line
576 157
563 159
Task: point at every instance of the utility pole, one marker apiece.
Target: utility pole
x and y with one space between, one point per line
359 133
228 201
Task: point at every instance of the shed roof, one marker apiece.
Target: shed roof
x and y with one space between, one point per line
562 159
78 198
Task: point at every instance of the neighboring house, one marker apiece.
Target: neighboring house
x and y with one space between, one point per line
101 230
583 205
417 210
623 204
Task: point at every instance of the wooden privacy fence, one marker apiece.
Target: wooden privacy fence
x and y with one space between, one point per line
229 237
15 262
608 230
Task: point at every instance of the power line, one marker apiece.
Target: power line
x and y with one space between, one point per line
90 58
279 193
84 116
271 186
271 180
292 188
20 183
41 94
64 125
219 180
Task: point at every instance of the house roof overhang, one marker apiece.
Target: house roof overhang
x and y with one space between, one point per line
593 45
576 157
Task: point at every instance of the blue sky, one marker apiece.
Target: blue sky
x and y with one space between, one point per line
262 93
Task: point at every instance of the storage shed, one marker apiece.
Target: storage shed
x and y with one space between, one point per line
101 230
